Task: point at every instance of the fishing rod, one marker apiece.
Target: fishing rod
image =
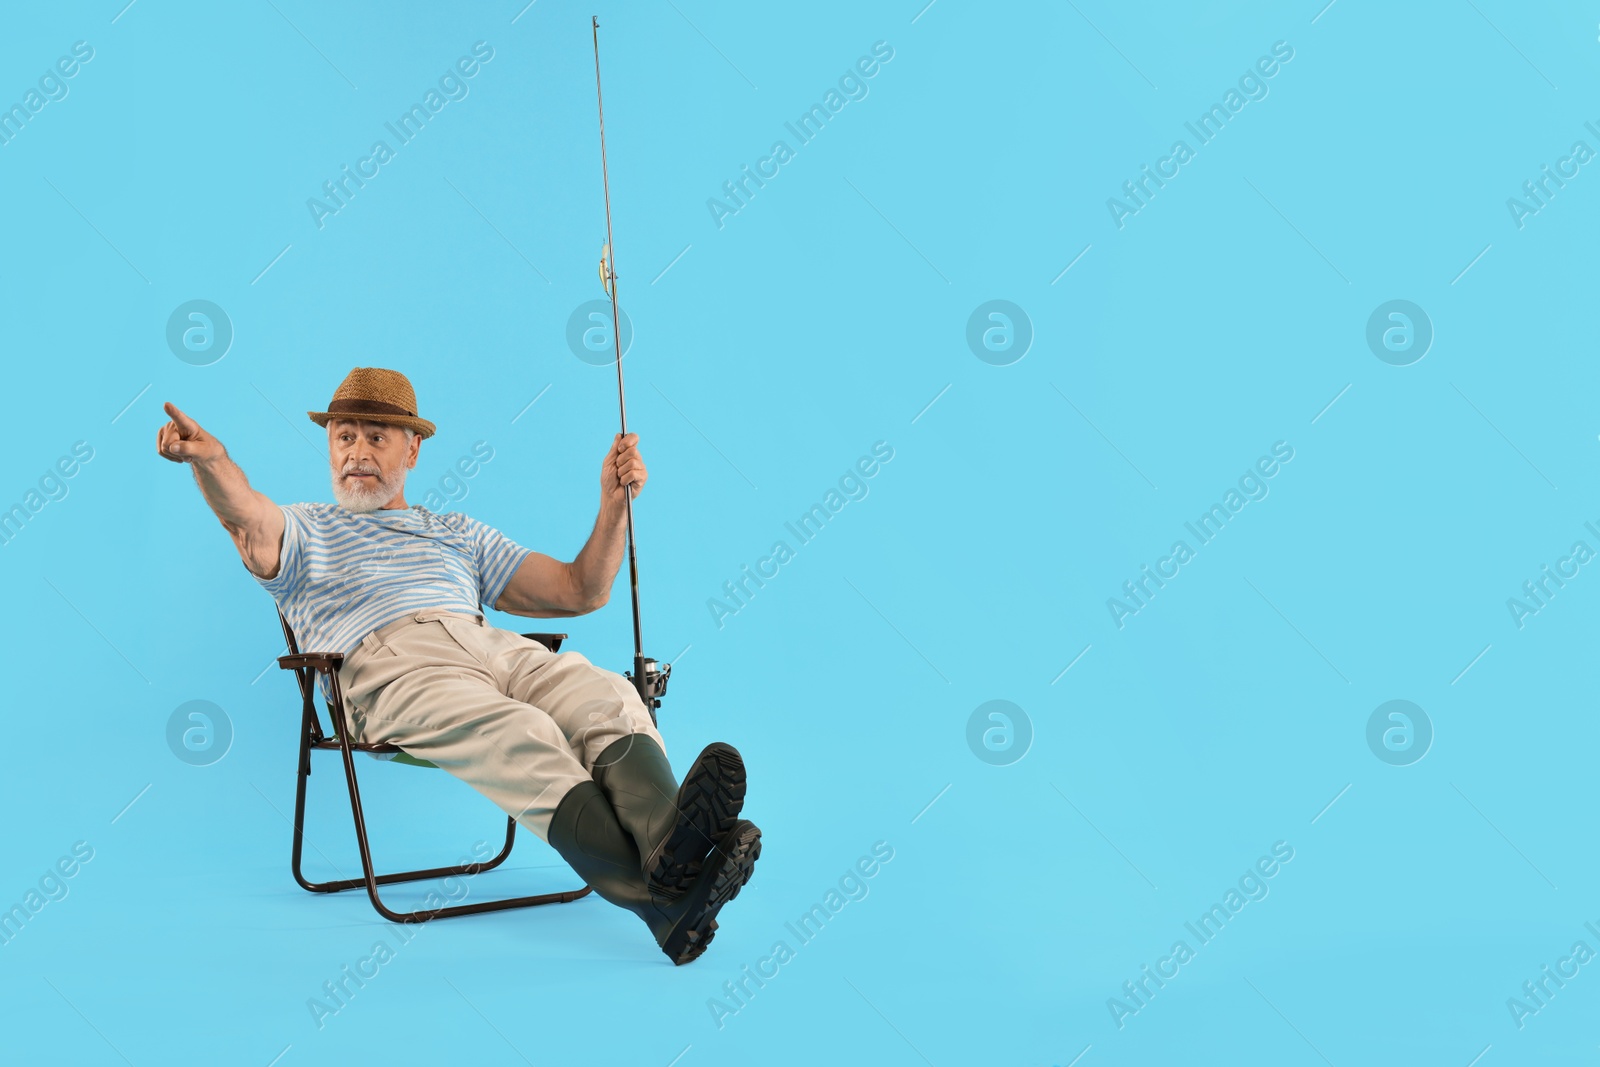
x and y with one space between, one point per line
648 676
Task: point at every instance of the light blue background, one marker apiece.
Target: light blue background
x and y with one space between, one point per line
1227 315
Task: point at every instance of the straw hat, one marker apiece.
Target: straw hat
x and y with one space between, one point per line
375 395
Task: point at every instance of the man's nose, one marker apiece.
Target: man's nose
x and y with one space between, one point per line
359 454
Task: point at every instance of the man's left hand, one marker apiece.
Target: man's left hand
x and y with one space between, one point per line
623 466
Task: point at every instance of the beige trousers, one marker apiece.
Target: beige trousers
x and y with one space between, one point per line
520 724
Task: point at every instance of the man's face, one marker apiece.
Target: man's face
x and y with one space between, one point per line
368 462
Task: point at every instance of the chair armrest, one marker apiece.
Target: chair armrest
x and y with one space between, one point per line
329 661
550 641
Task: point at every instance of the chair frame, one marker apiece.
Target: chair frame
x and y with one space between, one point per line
309 664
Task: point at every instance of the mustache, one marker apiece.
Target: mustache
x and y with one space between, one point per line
363 470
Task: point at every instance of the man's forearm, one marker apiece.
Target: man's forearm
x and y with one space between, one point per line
227 491
596 567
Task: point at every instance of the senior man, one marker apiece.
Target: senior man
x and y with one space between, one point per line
564 747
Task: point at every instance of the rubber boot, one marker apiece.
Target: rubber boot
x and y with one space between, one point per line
673 827
586 833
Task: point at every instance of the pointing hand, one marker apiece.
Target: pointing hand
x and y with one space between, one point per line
183 441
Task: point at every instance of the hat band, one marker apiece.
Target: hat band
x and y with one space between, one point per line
367 407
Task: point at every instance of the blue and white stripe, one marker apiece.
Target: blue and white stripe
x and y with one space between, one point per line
343 574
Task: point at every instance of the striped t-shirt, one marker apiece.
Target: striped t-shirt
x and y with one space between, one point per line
342 574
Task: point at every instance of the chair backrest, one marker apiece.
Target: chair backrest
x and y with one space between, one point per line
304 675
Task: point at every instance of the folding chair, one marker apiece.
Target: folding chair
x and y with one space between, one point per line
305 666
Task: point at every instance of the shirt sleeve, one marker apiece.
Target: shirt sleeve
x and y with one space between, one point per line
497 558
290 555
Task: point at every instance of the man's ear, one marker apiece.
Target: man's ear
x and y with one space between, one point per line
416 447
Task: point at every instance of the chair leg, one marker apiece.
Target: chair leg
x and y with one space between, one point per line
372 879
302 772
382 879
341 885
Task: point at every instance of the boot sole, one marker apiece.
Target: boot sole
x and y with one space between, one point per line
708 802
732 862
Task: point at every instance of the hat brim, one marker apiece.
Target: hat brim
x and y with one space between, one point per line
423 427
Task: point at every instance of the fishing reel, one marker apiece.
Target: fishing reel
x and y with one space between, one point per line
650 679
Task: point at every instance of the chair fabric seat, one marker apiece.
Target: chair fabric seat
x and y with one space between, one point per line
404 757
387 753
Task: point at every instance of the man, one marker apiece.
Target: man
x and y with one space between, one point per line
566 748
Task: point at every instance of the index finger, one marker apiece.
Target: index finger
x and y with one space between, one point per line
186 425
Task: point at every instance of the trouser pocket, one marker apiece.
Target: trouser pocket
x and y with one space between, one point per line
469 637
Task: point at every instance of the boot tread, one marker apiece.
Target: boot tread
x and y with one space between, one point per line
734 858
709 802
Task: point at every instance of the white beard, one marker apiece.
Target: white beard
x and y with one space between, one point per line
362 498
